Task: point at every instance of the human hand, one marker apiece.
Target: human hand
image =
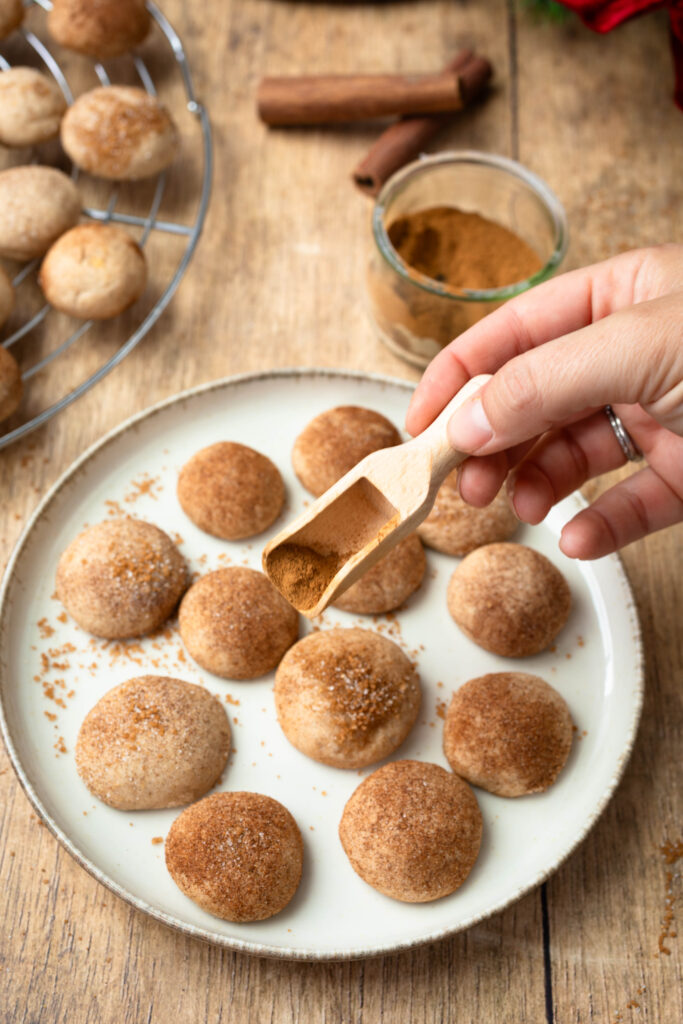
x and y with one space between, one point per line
610 334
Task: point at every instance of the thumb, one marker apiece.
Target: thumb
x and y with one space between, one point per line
632 356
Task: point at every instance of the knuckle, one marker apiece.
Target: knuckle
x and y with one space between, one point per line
518 389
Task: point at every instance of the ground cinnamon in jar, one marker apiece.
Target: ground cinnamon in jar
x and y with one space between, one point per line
463 250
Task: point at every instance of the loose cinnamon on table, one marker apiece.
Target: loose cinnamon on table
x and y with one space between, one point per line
404 140
334 99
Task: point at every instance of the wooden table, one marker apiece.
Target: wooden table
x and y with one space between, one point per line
278 281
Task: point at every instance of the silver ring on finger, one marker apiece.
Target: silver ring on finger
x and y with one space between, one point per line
626 442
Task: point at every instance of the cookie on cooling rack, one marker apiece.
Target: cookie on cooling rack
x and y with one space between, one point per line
94 271
99 28
6 296
237 855
335 440
10 384
31 107
11 16
119 132
37 205
153 742
121 578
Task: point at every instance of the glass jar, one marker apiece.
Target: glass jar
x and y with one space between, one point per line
415 315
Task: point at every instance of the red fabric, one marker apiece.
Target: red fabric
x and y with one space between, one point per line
603 15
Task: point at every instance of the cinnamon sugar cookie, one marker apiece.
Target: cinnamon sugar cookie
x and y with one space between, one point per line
119 132
237 855
235 624
37 205
31 107
389 582
11 16
412 831
153 742
11 388
509 599
456 528
121 578
508 732
99 28
334 441
346 697
231 491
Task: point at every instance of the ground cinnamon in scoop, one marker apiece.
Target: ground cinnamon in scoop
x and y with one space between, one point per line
464 250
301 574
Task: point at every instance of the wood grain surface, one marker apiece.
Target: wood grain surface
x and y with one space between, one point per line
278 281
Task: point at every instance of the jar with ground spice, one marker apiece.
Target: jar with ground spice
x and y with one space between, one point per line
455 235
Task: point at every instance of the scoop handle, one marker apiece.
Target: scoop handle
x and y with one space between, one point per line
444 457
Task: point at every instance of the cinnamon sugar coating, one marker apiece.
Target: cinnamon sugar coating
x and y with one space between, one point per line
153 742
235 624
412 831
121 578
508 732
389 582
11 388
237 855
346 697
119 132
31 107
335 440
37 205
98 28
456 528
231 491
509 599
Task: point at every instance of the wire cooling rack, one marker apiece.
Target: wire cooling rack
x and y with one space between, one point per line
108 212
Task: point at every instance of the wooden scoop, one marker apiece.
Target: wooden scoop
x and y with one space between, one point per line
361 517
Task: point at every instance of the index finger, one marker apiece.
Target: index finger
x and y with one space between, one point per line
547 311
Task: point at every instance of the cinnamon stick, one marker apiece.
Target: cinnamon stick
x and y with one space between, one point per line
404 140
334 99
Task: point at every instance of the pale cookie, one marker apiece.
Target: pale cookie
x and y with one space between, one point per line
10 384
153 742
412 831
508 732
231 491
346 697
456 528
235 624
98 28
335 440
509 599
31 107
239 856
121 578
119 132
37 205
94 271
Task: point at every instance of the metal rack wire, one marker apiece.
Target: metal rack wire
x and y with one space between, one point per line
110 213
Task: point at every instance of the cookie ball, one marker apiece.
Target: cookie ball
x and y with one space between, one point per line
98 28
508 732
412 831
346 697
237 855
456 528
6 296
119 132
509 599
389 582
335 441
37 205
153 742
11 388
94 271
11 16
231 491
121 578
235 624
31 107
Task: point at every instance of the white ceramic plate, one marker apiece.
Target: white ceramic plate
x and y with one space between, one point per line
51 673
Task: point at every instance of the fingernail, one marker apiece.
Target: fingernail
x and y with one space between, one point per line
468 429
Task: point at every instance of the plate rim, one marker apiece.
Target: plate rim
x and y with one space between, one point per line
229 941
